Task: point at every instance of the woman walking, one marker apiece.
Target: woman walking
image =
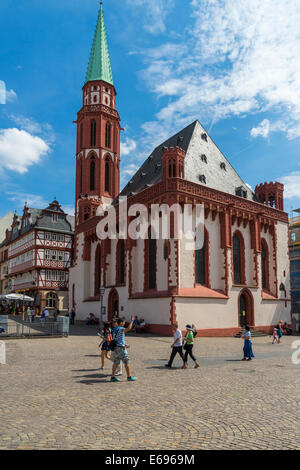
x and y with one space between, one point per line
106 339
188 347
248 353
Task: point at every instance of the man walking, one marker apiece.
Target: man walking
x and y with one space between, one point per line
176 346
120 352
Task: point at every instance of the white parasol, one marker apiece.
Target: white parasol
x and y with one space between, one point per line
22 297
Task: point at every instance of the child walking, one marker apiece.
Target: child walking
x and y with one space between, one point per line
104 345
275 336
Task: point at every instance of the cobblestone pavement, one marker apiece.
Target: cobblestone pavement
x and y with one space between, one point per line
53 396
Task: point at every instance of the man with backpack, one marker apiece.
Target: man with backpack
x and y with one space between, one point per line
118 345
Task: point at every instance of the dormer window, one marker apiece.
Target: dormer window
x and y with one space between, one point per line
241 192
223 166
54 218
204 158
204 137
202 179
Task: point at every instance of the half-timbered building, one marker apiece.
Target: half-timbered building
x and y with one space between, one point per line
39 255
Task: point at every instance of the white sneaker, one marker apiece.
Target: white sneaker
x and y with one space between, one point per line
119 373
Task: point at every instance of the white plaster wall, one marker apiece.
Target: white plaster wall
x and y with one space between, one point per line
205 313
155 311
219 313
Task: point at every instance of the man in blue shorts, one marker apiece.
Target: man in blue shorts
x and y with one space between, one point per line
120 352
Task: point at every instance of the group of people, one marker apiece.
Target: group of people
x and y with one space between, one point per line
113 346
139 326
278 332
181 344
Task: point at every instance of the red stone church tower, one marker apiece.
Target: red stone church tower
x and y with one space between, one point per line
98 133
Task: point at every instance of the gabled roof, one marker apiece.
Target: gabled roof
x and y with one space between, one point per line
99 67
204 164
151 171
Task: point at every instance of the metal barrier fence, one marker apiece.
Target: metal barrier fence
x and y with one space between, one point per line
17 329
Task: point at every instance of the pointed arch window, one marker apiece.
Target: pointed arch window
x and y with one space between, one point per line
80 177
120 273
108 135
152 263
93 133
202 263
97 269
92 174
107 175
238 259
265 265
81 136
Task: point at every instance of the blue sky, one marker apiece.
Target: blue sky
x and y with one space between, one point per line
236 69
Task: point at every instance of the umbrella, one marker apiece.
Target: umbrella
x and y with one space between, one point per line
19 297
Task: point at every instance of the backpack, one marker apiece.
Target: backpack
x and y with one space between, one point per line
113 343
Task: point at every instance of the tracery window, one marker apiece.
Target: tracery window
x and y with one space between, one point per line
93 133
265 265
120 274
107 175
92 174
152 263
108 135
238 259
202 262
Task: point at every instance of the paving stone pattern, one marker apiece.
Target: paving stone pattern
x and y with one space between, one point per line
54 397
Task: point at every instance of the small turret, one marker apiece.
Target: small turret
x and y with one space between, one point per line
270 194
173 162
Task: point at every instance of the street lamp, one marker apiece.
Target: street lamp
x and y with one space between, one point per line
102 292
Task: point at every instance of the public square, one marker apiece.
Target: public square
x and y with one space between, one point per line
54 397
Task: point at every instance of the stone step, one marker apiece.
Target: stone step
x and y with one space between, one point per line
254 333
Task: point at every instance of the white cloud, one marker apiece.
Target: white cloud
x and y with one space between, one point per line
266 127
291 185
241 59
19 150
11 95
30 125
154 12
262 130
127 147
5 95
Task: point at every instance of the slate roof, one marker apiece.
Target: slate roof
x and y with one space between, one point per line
150 172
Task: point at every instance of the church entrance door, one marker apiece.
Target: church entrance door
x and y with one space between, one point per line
113 304
246 309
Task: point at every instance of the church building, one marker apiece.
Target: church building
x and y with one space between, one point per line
241 273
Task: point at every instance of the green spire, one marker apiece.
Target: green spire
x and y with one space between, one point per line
99 66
